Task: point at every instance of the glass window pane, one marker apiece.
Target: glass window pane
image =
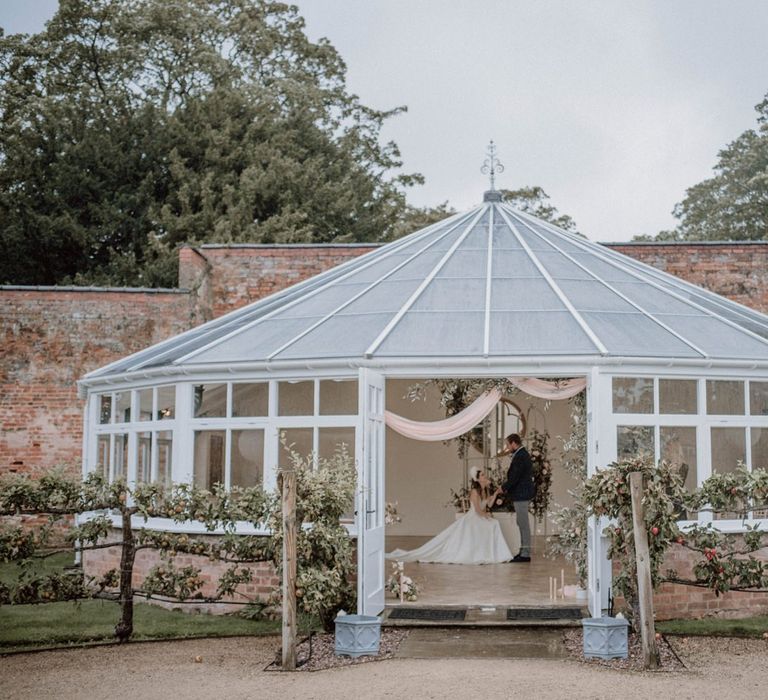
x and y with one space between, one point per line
123 407
759 448
338 398
247 460
105 409
209 458
296 398
634 441
678 446
632 395
164 458
678 396
144 458
250 399
145 404
758 398
166 402
210 400
120 457
725 397
298 440
102 456
331 439
729 447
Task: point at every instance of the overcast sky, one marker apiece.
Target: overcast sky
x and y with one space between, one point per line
613 107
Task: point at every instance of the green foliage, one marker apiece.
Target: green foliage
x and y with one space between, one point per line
716 627
538 447
325 555
325 552
607 493
725 561
535 201
732 205
570 541
130 126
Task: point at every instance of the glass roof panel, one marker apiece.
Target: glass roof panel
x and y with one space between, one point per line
512 263
344 335
323 302
453 295
636 335
601 269
559 266
716 338
254 344
533 241
419 267
652 299
466 263
524 295
538 332
593 296
387 296
435 333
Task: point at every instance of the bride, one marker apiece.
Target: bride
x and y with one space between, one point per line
475 538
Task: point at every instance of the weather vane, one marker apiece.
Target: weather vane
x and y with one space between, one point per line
492 165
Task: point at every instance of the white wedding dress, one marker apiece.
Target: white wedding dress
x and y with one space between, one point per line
472 539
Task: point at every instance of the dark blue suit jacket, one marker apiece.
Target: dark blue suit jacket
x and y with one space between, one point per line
519 485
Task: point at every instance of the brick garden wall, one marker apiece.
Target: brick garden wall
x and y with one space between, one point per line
674 601
99 561
48 339
738 271
246 273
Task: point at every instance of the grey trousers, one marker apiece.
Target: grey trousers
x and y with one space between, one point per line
521 511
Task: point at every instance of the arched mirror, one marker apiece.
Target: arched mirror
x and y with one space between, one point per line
488 437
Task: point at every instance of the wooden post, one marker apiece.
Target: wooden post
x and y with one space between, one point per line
289 568
644 584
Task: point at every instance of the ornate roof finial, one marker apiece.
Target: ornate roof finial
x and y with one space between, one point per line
492 164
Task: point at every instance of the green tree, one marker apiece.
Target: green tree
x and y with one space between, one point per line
733 203
130 126
535 201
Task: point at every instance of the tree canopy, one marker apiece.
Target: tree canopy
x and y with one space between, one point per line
130 126
733 203
535 201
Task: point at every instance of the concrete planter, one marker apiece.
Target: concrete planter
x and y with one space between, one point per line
605 637
357 635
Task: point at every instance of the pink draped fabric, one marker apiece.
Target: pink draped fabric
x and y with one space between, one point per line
433 431
551 390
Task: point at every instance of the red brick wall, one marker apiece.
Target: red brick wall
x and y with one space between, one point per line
738 271
51 337
242 274
674 601
97 562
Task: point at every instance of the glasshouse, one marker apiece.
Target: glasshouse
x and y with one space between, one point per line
493 295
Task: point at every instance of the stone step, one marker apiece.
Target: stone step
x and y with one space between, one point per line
480 616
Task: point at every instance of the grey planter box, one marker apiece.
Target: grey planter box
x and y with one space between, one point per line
357 635
605 637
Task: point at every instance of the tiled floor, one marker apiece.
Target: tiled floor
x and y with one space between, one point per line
487 585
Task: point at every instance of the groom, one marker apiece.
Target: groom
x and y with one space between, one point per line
520 489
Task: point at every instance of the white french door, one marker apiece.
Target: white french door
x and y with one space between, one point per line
370 496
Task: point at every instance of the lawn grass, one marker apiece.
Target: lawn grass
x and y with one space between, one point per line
75 623
716 627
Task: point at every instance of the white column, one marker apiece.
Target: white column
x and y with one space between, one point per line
182 470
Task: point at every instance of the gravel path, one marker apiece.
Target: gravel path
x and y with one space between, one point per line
234 668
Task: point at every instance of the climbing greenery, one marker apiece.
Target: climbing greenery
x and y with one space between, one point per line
118 518
722 561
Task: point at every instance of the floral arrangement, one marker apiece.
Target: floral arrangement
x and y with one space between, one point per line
402 586
460 499
391 516
538 448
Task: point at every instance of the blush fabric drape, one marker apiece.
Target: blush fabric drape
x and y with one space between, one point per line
448 428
